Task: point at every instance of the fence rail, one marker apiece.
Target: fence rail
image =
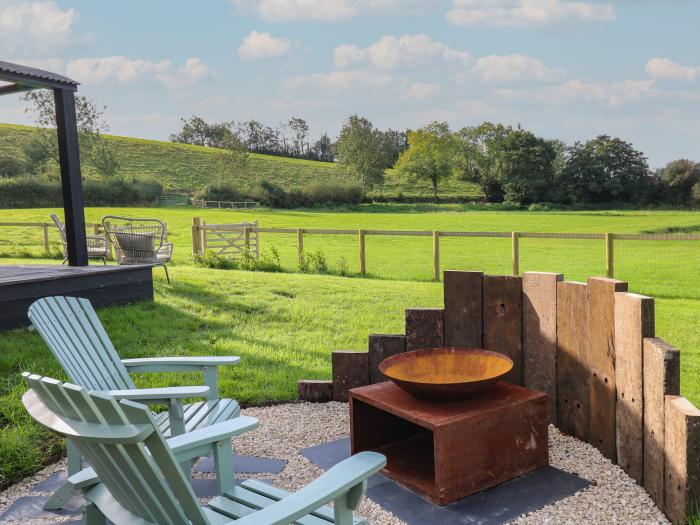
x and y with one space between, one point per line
228 205
607 238
92 229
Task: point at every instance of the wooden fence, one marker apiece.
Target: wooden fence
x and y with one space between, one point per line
225 205
47 227
606 238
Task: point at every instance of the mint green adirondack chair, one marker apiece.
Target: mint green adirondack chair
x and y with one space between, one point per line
135 477
73 332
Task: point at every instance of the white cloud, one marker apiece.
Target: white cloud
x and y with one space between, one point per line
390 52
124 70
667 69
343 82
522 13
513 68
34 26
258 45
329 10
420 91
610 93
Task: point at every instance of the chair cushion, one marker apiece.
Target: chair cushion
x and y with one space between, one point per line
136 243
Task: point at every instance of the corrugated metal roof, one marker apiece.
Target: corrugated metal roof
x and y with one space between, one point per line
32 73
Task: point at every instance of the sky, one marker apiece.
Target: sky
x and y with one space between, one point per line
564 69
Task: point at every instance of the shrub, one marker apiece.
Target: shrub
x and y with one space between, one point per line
12 167
334 193
268 262
220 192
213 260
40 192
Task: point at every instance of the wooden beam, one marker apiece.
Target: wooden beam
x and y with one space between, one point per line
71 183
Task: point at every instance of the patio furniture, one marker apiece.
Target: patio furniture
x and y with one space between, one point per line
73 332
139 241
135 476
96 246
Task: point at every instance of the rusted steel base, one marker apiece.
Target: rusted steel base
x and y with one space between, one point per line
447 451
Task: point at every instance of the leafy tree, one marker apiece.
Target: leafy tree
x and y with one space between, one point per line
479 157
528 167
430 154
235 159
199 132
359 150
94 149
678 178
394 143
605 169
103 157
300 130
323 149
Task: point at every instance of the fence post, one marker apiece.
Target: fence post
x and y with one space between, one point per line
515 237
110 253
246 239
300 246
196 238
165 231
436 256
609 255
47 248
361 238
96 229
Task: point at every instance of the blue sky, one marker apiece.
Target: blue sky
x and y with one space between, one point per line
564 69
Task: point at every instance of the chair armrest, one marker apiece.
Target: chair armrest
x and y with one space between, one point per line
177 364
84 479
344 479
159 395
200 442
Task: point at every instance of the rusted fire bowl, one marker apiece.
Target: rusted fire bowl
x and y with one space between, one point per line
446 374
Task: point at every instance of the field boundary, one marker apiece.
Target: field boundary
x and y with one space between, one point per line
608 238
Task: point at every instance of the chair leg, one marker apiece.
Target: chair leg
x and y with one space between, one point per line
59 498
167 275
93 515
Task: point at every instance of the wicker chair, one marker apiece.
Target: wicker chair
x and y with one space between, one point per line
139 241
96 246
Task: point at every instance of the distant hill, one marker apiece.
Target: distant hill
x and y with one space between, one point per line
186 168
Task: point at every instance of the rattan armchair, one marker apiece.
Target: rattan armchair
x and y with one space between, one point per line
139 241
96 246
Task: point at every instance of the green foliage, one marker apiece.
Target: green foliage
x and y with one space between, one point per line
32 192
359 149
220 191
334 193
12 167
430 155
479 157
104 158
235 160
314 262
679 178
268 261
528 167
182 168
605 169
324 149
211 259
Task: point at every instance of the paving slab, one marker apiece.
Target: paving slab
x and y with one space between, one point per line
494 506
246 465
32 508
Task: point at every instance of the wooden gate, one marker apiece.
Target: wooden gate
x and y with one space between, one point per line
231 240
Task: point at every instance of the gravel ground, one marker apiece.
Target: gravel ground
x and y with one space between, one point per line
613 497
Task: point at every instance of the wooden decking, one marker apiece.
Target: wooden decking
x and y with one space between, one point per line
103 285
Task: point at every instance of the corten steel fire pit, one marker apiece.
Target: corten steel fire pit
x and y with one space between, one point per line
446 374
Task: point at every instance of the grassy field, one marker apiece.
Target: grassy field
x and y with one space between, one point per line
285 325
181 167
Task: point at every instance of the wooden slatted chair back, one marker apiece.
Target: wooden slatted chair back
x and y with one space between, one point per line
124 447
74 334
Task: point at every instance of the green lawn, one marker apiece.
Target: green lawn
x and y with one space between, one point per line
285 325
181 167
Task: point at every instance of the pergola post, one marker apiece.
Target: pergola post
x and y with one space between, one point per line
71 183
